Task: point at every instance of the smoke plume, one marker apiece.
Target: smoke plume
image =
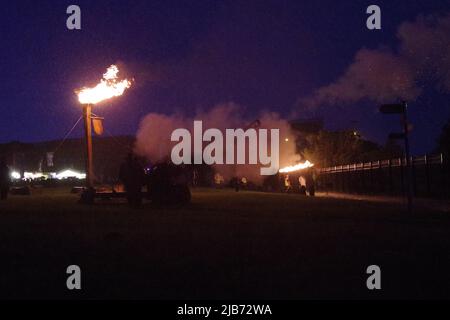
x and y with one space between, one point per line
384 75
153 137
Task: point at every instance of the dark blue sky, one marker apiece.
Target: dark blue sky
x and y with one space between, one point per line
186 55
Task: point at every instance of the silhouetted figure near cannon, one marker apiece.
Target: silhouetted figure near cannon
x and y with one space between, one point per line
5 180
302 185
310 183
168 184
235 184
132 176
287 184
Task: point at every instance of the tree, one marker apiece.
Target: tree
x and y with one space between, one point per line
330 148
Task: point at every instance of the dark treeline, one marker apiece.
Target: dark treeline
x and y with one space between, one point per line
329 148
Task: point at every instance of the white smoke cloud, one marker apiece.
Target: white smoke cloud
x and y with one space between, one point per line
383 75
425 44
153 137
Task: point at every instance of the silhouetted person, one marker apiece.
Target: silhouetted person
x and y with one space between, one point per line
287 184
302 185
235 184
5 180
132 176
310 183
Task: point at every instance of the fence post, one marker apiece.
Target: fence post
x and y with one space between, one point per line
391 188
427 175
444 179
402 175
413 175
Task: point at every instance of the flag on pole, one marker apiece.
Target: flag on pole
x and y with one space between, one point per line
98 125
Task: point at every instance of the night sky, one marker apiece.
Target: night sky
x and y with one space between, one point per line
191 55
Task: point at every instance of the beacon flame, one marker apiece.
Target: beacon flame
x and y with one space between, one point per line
300 166
107 88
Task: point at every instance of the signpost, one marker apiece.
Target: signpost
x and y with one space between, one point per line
401 108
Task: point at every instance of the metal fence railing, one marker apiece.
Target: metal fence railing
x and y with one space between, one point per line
430 177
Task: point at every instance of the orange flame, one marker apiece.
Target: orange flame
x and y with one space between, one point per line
300 166
107 88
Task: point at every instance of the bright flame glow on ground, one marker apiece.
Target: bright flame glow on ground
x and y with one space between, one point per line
297 167
107 88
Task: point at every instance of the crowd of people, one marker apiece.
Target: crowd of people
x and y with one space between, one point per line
166 182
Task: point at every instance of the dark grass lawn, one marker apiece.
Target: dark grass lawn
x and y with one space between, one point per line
224 245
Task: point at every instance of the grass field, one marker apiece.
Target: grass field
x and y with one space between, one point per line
223 245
